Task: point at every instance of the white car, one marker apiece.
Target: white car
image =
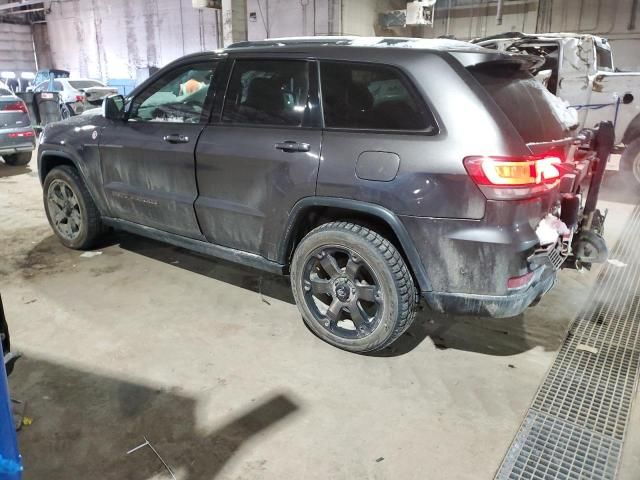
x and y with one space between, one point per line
76 94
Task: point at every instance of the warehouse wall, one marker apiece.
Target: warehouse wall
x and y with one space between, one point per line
16 48
463 19
476 18
288 18
124 38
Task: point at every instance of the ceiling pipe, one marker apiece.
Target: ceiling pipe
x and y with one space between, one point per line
499 12
17 12
634 12
23 3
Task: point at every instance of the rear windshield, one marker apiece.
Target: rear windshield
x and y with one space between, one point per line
84 83
523 100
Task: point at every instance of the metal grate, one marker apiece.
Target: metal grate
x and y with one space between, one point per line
577 421
549 448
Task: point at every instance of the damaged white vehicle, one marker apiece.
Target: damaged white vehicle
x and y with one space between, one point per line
579 69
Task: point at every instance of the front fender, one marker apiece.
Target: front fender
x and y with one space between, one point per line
84 157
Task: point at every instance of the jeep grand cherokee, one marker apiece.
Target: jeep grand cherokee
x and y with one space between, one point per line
374 171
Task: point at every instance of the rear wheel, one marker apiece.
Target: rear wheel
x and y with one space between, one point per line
352 287
17 159
630 161
74 217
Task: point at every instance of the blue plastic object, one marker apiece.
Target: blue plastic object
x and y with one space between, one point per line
10 459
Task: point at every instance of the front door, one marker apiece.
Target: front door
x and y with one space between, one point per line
262 156
148 159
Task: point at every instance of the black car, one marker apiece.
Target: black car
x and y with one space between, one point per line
374 172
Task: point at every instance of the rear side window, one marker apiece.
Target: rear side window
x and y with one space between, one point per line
78 84
372 97
522 99
268 92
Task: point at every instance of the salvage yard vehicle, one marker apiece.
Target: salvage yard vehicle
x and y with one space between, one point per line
374 171
579 68
17 138
76 94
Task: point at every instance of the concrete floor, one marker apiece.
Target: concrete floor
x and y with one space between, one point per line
212 364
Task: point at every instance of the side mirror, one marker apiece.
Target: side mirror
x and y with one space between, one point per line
113 107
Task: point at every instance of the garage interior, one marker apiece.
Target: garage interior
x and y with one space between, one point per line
142 344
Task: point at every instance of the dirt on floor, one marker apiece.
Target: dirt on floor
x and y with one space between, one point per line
211 363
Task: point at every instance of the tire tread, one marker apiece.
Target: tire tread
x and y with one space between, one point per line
403 280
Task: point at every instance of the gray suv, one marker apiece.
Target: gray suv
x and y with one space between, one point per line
375 172
17 137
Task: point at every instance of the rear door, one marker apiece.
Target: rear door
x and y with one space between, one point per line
261 155
147 160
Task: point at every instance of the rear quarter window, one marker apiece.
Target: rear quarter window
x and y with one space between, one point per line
523 100
371 97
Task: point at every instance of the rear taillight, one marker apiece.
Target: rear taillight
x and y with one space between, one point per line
519 282
27 134
79 98
14 107
507 178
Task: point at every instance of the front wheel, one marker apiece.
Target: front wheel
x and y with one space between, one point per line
71 212
352 287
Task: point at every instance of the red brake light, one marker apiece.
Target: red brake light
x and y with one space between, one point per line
14 107
79 98
519 282
27 134
512 171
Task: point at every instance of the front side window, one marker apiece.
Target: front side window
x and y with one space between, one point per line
268 92
376 97
178 96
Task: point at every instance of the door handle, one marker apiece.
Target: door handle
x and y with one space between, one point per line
176 138
291 146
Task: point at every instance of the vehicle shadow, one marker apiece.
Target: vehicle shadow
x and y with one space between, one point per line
499 337
264 283
84 423
7 171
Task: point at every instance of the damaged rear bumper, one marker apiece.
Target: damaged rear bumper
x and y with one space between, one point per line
497 306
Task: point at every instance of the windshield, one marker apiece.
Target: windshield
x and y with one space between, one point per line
78 84
523 100
605 62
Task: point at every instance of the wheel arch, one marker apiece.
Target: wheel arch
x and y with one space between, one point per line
49 159
310 212
633 130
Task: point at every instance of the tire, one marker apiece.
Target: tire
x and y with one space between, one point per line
630 162
352 287
17 159
65 112
74 218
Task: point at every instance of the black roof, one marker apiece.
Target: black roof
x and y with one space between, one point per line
315 43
